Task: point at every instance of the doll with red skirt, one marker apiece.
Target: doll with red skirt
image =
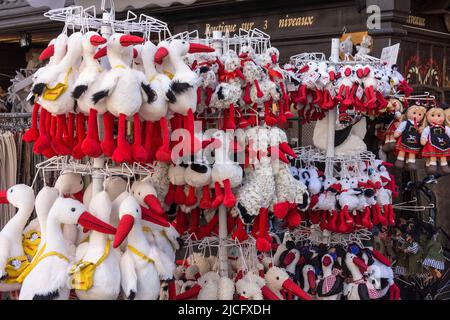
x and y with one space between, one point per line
436 140
408 137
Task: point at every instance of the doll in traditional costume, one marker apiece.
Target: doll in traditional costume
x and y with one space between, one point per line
434 257
436 140
394 116
408 137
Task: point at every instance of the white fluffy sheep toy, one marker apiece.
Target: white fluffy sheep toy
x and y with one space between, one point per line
251 72
310 178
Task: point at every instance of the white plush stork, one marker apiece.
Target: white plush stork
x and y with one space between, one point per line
155 111
183 89
90 73
48 278
277 279
359 288
54 87
54 52
12 256
124 90
98 251
142 265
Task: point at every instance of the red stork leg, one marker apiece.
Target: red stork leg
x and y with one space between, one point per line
370 97
122 153
195 219
281 114
32 134
139 153
240 233
199 95
77 151
181 221
191 199
259 93
193 144
70 139
391 218
348 97
43 141
148 135
91 146
164 152
246 97
229 200
58 143
262 244
108 144
205 202
268 118
218 195
180 196
230 122
170 196
209 92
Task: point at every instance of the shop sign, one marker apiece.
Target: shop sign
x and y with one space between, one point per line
285 22
416 21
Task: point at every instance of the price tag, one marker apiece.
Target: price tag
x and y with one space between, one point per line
315 76
389 55
359 92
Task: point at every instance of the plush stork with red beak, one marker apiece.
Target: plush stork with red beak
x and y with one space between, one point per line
182 95
359 288
53 88
142 265
157 110
48 278
278 279
90 73
124 90
331 285
11 251
54 52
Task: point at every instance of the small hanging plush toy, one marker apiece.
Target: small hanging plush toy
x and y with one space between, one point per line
436 140
408 137
394 115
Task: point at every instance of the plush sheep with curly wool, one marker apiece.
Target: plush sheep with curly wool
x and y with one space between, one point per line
228 91
288 191
251 72
257 192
